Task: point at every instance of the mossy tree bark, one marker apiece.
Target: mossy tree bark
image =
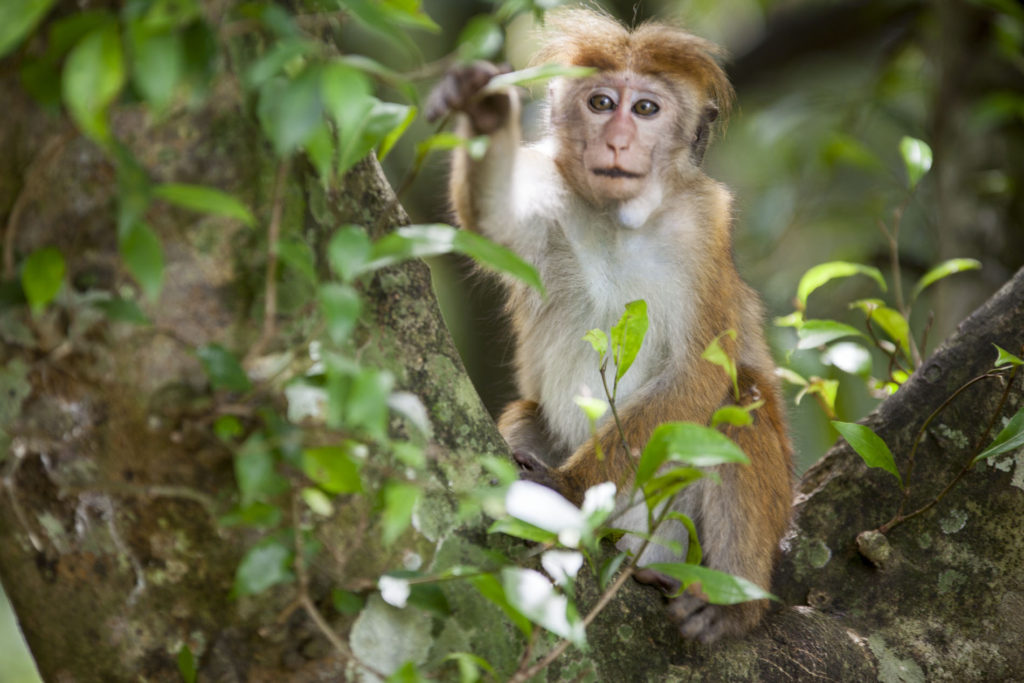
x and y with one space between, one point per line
113 479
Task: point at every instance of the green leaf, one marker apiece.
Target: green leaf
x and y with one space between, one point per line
258 515
223 368
794 319
737 416
481 38
791 376
144 257
134 191
347 99
1010 438
399 501
439 142
470 666
688 443
204 200
298 256
825 272
496 257
42 275
347 602
123 310
227 427
93 76
265 564
374 68
815 333
889 319
662 487
387 19
694 553
341 307
348 251
826 388
414 241
595 408
599 340
186 664
333 468
520 529
393 119
535 74
317 501
845 149
489 587
1004 357
18 18
917 157
290 110
320 150
157 62
717 587
273 62
628 336
367 404
944 269
869 446
41 76
256 473
167 14
610 568
407 673
714 353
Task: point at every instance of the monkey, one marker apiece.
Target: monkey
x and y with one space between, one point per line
610 206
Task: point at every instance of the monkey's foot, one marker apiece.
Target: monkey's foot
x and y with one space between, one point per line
700 620
532 469
663 582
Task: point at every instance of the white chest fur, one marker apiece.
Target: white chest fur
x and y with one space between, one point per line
595 266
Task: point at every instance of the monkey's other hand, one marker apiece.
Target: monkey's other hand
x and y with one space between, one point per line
532 469
459 90
700 620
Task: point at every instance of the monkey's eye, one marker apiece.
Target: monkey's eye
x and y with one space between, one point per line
645 108
600 102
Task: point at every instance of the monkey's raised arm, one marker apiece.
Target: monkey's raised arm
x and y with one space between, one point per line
484 190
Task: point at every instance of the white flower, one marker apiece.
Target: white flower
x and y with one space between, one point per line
395 591
562 565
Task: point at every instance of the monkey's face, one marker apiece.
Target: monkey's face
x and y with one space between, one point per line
618 132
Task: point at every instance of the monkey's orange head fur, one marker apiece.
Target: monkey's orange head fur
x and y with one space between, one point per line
581 37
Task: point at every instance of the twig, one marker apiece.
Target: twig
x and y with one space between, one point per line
33 183
273 234
304 599
610 395
900 516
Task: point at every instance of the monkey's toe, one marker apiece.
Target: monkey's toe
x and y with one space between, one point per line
662 582
527 461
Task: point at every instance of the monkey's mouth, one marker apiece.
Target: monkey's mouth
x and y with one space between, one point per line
615 173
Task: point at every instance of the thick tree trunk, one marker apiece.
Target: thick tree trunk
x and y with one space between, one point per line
113 480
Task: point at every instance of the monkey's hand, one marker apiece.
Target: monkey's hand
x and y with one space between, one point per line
460 90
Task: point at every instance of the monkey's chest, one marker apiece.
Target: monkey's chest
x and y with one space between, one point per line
590 291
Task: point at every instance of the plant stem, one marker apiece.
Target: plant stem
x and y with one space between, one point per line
900 517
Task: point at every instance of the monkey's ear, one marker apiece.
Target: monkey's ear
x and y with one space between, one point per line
703 134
